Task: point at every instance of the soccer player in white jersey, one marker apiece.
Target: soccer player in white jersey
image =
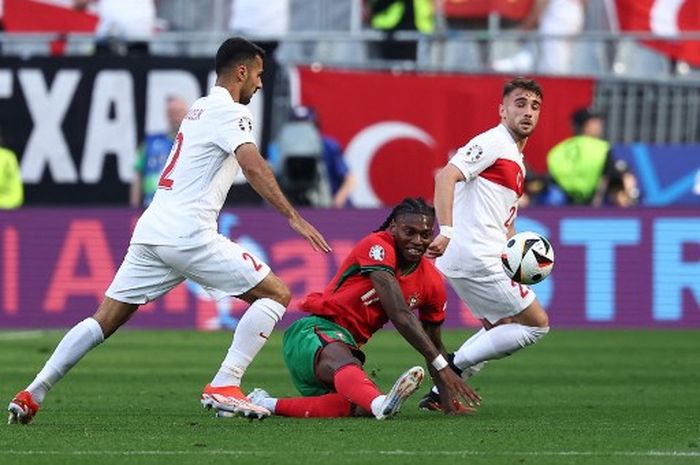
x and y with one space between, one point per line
176 239
476 202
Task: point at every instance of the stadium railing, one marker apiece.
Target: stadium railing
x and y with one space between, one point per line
646 96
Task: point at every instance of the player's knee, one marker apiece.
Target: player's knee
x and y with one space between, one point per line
283 296
278 291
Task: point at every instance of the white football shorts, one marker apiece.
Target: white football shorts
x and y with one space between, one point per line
221 267
494 296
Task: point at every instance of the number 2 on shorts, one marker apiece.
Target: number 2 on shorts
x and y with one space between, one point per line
256 265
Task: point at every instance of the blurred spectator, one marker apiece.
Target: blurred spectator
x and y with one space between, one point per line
153 155
267 21
310 164
400 15
584 168
623 190
11 188
125 26
541 191
561 18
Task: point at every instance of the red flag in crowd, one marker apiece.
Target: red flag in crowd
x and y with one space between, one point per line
36 16
511 9
667 18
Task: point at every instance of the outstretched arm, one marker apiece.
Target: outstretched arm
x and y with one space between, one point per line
261 177
434 332
445 182
409 327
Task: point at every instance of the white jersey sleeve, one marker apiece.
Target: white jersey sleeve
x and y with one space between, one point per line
475 157
235 128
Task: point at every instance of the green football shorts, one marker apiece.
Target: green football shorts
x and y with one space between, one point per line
301 344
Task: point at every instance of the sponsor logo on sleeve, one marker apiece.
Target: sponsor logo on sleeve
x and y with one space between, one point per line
376 252
473 153
245 124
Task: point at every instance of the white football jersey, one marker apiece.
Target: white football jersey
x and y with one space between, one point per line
198 173
485 204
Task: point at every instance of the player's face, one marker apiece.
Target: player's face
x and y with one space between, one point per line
413 234
520 112
253 80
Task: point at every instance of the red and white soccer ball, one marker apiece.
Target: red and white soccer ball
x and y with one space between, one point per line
527 258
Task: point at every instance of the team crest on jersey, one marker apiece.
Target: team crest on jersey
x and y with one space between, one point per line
376 252
245 124
413 300
474 153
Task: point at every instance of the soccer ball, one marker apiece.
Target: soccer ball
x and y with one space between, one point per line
527 258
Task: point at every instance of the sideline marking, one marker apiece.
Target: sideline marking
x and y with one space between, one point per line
465 453
17 335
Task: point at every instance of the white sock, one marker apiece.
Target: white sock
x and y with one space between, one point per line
75 344
269 403
376 405
250 335
498 342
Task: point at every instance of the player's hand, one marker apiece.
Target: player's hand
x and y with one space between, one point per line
308 232
453 389
437 247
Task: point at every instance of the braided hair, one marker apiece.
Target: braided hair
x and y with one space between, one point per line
409 205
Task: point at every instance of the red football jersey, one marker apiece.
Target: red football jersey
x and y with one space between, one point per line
351 301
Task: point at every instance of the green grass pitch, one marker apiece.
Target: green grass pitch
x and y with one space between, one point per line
593 397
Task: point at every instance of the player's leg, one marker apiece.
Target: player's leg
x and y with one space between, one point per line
331 405
302 341
513 319
269 300
77 342
336 364
227 269
141 277
323 357
503 340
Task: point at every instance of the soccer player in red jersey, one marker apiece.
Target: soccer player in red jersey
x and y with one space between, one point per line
384 278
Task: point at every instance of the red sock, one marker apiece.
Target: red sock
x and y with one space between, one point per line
352 382
326 406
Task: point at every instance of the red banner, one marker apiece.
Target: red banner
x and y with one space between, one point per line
397 130
667 18
511 9
35 16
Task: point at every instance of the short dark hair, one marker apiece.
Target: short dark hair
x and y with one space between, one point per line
522 83
409 205
581 116
234 51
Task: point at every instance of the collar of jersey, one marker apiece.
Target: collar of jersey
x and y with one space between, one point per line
221 90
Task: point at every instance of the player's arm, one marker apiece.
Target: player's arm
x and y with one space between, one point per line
434 332
408 325
511 230
445 182
261 177
135 191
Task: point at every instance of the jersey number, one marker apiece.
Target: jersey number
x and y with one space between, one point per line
523 290
165 182
509 221
256 265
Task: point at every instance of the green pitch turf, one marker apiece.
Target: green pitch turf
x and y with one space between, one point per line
576 398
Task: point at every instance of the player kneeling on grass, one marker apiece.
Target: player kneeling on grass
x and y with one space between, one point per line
384 278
